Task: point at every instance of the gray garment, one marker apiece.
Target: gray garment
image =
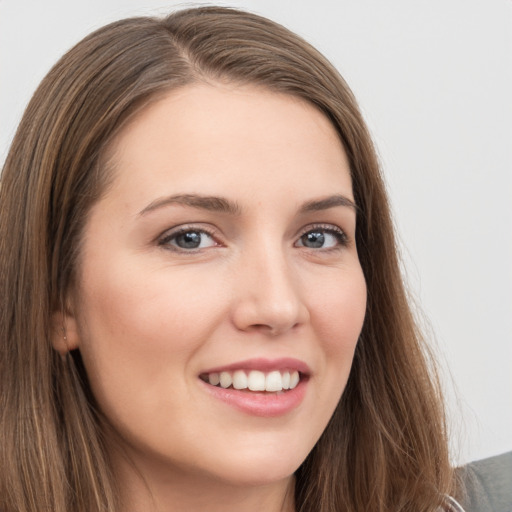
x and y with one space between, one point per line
488 484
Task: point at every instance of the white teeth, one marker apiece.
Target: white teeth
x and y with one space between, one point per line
225 379
240 380
256 381
274 381
286 380
294 379
214 379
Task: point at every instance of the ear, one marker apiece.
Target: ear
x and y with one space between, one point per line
64 332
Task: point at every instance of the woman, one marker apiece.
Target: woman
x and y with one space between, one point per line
202 305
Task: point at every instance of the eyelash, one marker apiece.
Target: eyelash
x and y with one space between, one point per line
338 233
335 231
170 236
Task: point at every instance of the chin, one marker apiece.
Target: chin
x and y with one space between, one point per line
261 467
258 475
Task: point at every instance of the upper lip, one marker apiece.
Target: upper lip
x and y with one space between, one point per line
263 365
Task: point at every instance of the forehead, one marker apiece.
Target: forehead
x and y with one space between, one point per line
221 137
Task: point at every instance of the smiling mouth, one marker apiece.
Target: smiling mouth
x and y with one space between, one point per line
254 380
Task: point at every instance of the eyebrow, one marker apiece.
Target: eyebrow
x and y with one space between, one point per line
210 203
223 205
328 202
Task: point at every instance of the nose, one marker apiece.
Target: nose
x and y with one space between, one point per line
268 296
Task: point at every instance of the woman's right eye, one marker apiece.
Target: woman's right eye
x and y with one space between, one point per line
188 239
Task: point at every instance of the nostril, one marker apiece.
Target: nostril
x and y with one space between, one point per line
272 330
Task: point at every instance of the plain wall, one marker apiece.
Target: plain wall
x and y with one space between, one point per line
434 81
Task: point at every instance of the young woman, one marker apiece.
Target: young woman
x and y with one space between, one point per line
202 306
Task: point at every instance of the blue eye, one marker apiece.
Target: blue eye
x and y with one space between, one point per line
188 239
322 238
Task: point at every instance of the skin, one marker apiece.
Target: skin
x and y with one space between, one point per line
149 317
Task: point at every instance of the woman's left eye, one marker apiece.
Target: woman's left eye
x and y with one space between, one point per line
188 239
322 238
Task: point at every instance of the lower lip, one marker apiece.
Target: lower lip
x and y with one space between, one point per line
267 405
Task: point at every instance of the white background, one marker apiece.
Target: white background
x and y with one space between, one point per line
434 81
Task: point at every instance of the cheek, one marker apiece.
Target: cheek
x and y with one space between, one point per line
142 327
341 310
145 308
340 315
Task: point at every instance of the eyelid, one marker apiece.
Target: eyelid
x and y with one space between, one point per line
343 238
164 239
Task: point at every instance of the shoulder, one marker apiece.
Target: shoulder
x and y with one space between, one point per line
487 484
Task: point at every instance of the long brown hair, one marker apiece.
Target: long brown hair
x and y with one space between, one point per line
385 448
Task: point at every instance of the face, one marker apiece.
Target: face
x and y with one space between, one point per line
223 250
